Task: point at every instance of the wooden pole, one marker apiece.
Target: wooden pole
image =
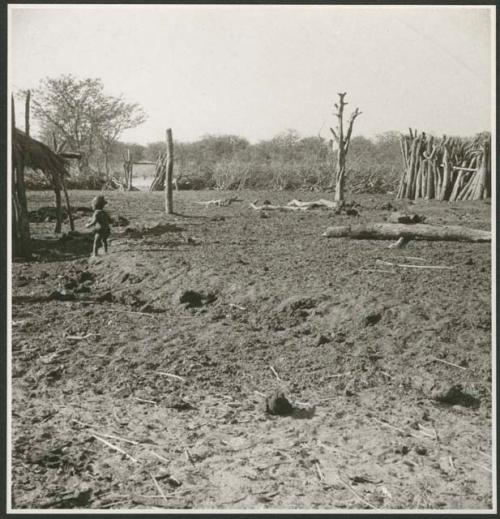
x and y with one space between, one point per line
21 239
68 206
169 203
27 114
129 171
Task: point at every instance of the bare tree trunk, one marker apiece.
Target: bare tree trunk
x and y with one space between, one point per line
342 147
340 178
169 202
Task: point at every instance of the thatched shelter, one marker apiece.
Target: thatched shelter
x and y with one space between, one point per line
37 155
30 153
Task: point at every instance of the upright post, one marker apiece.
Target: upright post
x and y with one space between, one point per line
169 203
129 171
27 114
21 240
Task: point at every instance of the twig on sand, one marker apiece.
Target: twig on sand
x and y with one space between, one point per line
114 503
115 448
318 469
377 270
480 466
233 305
158 456
260 394
133 442
188 456
388 425
449 363
356 494
441 267
81 423
157 485
414 258
275 374
171 376
132 313
80 338
144 400
341 374
397 428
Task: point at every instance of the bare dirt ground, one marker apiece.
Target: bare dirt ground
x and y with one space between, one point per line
397 361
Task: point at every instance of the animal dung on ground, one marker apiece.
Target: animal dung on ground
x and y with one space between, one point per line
454 395
278 404
408 218
372 317
61 295
194 299
322 339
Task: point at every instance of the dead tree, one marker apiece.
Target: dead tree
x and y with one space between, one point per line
342 141
169 203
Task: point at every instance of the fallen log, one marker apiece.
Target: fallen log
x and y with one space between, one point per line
221 202
314 204
389 231
269 207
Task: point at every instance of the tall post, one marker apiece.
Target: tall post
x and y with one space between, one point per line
27 114
169 202
21 239
129 171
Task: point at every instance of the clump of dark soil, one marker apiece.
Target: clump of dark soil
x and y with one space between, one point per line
278 404
194 299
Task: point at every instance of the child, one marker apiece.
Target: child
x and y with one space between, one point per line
100 221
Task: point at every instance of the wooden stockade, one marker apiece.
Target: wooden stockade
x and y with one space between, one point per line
449 168
158 183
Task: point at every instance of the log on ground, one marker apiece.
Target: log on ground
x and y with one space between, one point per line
388 231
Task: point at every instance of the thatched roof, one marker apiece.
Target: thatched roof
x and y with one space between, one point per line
37 155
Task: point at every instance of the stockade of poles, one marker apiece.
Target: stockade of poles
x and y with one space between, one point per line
450 168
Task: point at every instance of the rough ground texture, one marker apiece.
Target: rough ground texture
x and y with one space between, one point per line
396 361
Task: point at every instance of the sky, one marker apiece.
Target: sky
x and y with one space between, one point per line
256 71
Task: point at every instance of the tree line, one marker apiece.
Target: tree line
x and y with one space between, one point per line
79 115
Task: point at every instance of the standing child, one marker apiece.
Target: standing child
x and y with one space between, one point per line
100 221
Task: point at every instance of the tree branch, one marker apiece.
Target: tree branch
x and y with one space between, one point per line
334 134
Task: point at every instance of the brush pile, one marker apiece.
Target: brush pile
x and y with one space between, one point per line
449 169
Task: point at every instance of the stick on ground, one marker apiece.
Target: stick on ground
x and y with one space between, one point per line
449 363
115 448
171 375
275 373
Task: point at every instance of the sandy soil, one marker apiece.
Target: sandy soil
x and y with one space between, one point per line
378 350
